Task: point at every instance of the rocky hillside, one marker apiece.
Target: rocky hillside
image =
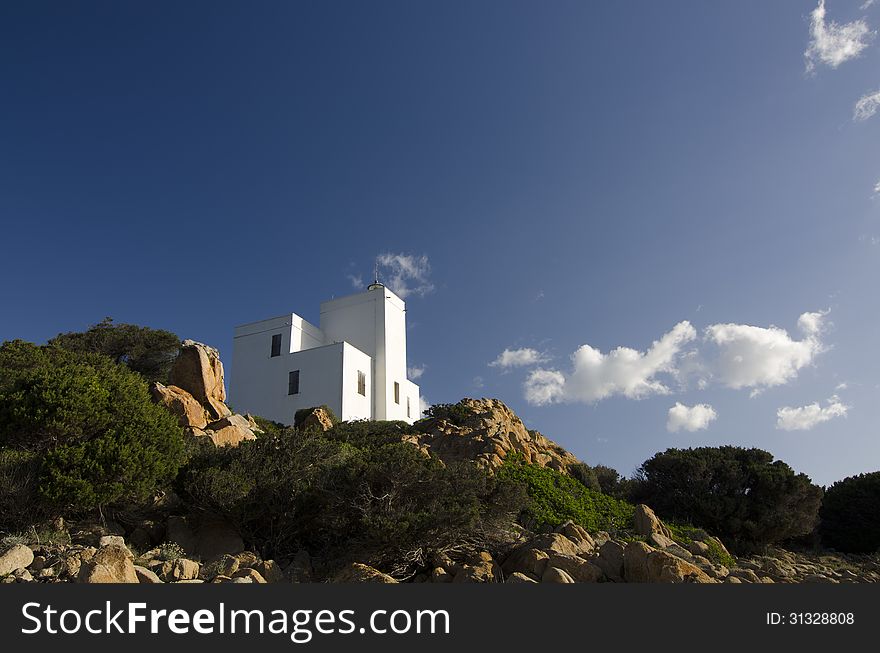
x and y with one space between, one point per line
171 543
485 431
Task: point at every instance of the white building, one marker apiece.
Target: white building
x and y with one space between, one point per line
355 363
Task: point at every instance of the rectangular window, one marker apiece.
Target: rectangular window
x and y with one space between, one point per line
276 346
396 392
293 383
362 383
407 407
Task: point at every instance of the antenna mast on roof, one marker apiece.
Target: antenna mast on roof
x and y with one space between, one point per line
375 283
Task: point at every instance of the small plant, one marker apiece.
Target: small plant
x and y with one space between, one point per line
170 551
13 539
685 534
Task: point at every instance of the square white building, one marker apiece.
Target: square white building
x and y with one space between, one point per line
355 362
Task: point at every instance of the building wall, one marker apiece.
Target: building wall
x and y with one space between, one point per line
365 331
355 405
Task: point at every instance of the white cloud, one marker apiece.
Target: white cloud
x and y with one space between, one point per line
806 417
518 358
866 4
405 274
865 108
842 386
834 43
762 357
424 405
690 418
478 382
357 281
414 372
622 371
877 188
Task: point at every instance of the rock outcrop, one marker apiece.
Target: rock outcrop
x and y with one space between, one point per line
197 394
486 432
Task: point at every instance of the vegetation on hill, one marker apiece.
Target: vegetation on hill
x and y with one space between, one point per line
850 514
741 495
149 352
78 432
348 494
555 497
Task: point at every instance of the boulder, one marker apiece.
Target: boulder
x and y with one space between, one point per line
179 532
663 567
252 574
14 558
578 535
110 564
527 561
517 577
198 370
555 575
182 569
635 562
225 565
610 560
316 419
230 436
189 412
579 569
746 575
360 573
270 570
482 570
646 522
485 432
146 576
698 548
440 575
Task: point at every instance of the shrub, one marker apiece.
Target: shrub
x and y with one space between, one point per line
685 534
149 352
850 514
555 497
95 435
741 495
379 501
458 414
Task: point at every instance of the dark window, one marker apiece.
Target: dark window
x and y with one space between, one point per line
276 346
407 407
396 392
362 383
293 383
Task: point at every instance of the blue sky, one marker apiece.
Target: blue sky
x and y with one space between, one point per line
542 176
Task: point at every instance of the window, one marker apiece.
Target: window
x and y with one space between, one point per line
362 383
293 383
396 392
276 346
407 407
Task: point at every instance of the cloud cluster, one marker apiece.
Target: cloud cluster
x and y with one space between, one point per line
405 274
733 355
414 372
804 418
834 43
690 418
866 107
623 371
763 357
518 358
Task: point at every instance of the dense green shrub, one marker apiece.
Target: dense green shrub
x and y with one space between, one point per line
601 478
149 352
685 534
94 434
741 495
555 497
850 514
378 500
369 433
457 414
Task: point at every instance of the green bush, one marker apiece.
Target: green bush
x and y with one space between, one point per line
741 495
555 497
850 514
149 352
685 534
95 436
378 501
458 414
